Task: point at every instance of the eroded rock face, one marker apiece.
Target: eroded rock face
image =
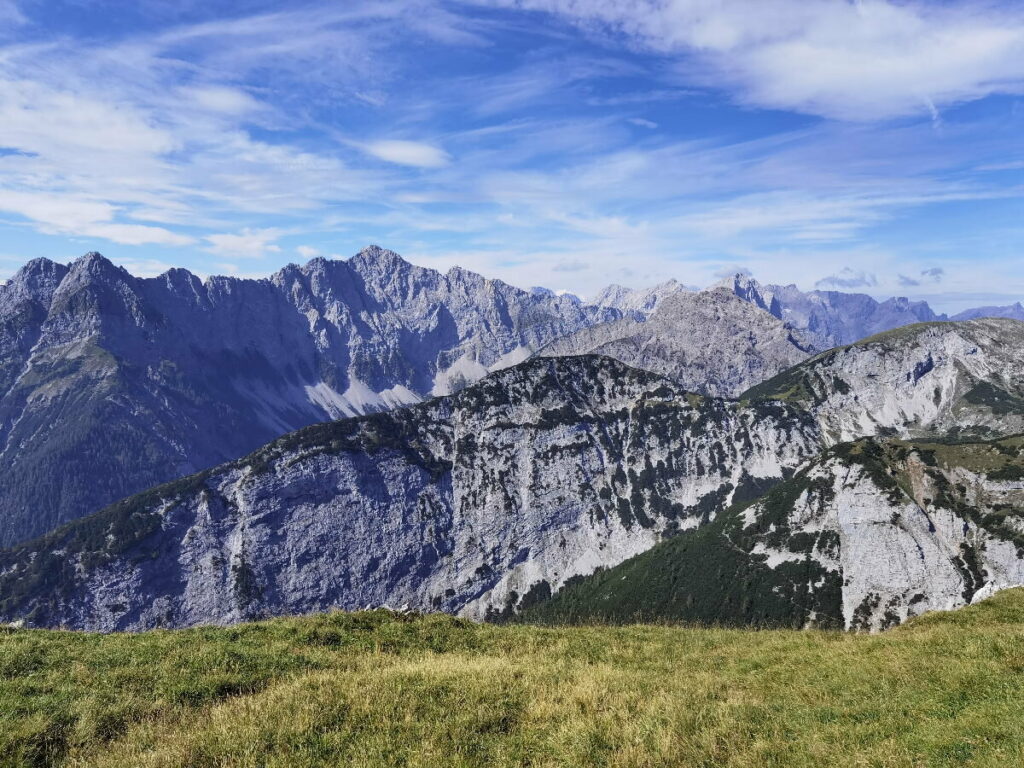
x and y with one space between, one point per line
964 378
110 383
863 537
468 504
710 342
907 528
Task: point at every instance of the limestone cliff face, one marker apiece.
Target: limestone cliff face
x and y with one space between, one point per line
961 378
907 528
469 504
711 342
862 537
110 383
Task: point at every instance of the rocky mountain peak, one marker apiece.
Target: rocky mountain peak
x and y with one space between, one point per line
744 286
639 302
39 267
95 266
919 380
221 366
377 258
37 280
918 309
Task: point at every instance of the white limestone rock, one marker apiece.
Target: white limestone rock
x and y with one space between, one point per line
935 378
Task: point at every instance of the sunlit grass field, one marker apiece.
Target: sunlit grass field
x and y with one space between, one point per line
375 689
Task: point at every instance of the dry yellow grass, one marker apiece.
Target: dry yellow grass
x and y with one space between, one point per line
375 690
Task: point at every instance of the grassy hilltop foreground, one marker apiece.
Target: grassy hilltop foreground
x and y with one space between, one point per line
375 689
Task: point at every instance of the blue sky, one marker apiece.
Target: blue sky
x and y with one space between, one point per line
871 146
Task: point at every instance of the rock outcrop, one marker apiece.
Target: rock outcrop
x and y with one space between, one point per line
637 303
863 537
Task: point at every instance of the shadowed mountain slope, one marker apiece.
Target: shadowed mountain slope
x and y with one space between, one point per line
110 383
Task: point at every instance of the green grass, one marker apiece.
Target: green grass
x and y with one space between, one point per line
374 689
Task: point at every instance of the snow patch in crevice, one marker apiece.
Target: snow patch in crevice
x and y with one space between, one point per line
359 398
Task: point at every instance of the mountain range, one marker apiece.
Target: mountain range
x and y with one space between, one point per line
779 457
110 384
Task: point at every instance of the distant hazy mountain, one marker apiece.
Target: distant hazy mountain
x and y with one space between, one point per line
110 383
637 303
711 342
1014 311
831 318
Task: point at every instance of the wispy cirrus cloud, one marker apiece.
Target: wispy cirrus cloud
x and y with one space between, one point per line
865 60
417 154
637 142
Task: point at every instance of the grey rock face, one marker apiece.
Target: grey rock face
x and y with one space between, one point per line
905 528
831 318
863 537
963 378
110 384
468 504
711 342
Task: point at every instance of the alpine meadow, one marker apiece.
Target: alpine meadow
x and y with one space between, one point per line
422 383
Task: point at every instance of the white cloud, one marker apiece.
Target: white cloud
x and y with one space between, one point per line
848 278
222 99
135 234
308 251
412 153
932 275
864 60
70 215
247 244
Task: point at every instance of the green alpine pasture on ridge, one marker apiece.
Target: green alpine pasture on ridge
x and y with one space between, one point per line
378 689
